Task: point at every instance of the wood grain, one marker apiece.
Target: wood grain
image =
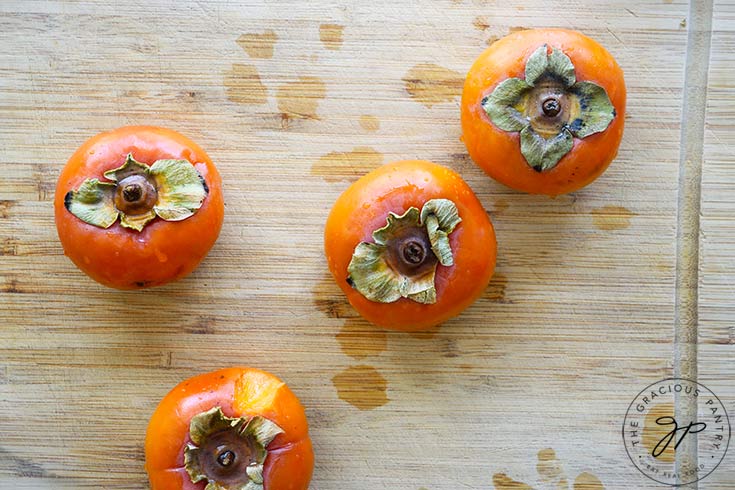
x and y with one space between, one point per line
579 318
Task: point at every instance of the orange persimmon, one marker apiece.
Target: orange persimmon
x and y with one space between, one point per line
543 110
410 245
231 427
139 206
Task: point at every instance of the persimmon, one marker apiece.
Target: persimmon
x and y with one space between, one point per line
139 206
543 110
232 429
410 245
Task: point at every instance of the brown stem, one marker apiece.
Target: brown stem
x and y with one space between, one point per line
135 195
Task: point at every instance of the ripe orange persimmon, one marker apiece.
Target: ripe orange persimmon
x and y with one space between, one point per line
231 427
410 245
543 110
165 191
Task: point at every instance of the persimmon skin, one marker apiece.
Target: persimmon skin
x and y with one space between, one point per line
396 187
163 251
240 392
498 152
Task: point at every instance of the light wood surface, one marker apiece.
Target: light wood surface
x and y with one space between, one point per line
294 100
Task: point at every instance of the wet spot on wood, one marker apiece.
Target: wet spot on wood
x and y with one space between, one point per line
258 45
331 35
491 40
362 387
23 466
347 165
300 99
588 481
652 432
9 246
427 334
359 339
480 23
202 326
330 300
499 206
549 468
504 482
243 85
612 217
513 29
432 84
5 207
496 289
369 123
11 286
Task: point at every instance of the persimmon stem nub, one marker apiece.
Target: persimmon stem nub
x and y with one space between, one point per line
132 192
413 252
551 107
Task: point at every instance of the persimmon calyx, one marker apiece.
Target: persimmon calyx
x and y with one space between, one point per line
171 189
549 108
228 453
402 261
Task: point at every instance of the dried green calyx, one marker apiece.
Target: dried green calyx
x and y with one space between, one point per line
228 453
402 261
171 189
549 108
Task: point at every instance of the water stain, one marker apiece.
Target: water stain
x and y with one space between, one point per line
23 466
432 84
201 326
504 482
481 23
499 206
612 217
491 40
549 469
369 123
513 29
330 300
496 289
347 166
588 481
653 433
427 334
5 207
362 387
359 339
331 36
243 85
9 246
258 45
300 99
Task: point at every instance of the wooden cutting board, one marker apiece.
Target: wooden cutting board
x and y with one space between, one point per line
596 294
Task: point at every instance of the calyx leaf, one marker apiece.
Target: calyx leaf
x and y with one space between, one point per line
580 108
174 188
370 270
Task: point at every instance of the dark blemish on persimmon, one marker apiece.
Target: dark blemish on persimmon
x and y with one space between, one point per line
242 85
362 387
331 36
359 339
432 84
612 217
347 166
258 45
